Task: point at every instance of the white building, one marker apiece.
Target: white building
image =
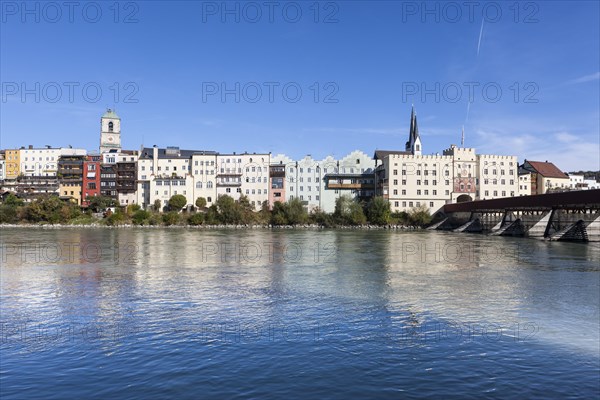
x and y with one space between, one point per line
576 182
545 177
498 177
204 169
524 183
244 174
44 161
306 179
591 184
410 179
163 173
2 167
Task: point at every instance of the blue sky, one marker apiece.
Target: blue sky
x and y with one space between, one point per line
163 66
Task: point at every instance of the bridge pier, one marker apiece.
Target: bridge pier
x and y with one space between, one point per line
557 216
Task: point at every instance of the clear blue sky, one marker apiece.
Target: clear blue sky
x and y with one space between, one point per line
370 57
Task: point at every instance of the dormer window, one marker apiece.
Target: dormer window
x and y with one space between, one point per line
110 126
418 148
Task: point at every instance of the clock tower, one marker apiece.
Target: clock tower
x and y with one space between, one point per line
110 131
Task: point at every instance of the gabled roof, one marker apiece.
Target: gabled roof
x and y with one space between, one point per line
546 169
147 153
381 154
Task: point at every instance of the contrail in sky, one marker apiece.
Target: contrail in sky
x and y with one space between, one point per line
469 103
480 35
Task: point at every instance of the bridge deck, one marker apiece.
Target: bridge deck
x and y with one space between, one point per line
574 199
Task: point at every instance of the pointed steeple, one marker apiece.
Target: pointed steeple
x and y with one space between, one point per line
415 133
411 130
413 145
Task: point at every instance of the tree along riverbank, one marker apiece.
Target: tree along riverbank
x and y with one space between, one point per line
225 213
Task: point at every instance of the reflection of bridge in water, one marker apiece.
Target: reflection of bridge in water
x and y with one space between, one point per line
572 216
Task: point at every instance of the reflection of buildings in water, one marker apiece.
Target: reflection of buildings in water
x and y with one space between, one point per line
506 282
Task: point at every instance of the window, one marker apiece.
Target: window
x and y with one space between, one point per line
403 172
418 192
434 192
110 127
198 185
396 203
403 204
410 203
396 172
431 204
404 191
395 191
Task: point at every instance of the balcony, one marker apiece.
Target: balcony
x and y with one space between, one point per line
350 186
229 184
225 174
277 172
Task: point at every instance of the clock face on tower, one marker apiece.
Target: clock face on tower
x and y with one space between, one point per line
110 139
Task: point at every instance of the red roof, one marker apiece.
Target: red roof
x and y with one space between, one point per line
547 169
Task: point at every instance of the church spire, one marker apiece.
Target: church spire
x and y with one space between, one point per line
413 145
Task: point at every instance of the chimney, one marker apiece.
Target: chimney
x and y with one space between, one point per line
30 146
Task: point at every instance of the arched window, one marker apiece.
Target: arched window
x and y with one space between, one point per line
209 185
198 185
110 126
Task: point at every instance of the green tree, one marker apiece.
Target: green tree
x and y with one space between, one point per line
321 218
246 210
349 211
157 206
46 209
201 203
378 211
420 215
229 210
116 218
8 214
212 215
170 218
278 214
141 217
101 203
177 202
196 219
295 212
14 201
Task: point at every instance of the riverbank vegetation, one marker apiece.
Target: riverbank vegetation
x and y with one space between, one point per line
225 211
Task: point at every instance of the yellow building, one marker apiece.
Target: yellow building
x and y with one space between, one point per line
70 191
13 162
545 177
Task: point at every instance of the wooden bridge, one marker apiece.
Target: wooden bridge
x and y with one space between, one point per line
573 216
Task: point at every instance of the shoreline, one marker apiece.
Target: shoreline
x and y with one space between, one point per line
213 227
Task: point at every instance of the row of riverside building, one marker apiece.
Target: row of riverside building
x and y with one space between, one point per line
407 178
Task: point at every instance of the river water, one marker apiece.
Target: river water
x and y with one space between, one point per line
187 313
